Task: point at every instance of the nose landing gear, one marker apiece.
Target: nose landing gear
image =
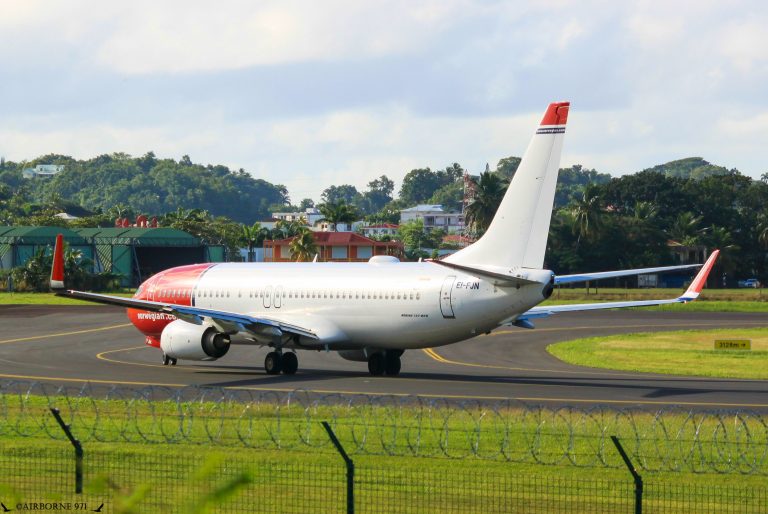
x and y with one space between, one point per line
168 360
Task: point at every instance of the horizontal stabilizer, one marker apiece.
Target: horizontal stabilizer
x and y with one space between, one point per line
690 294
495 276
584 277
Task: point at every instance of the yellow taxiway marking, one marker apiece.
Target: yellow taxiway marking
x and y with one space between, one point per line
369 393
62 334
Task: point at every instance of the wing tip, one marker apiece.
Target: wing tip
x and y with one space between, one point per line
700 280
57 270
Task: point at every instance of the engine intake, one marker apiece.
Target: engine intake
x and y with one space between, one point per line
182 340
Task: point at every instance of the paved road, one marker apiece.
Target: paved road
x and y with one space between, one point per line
77 344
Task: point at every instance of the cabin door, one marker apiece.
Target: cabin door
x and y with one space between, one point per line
445 297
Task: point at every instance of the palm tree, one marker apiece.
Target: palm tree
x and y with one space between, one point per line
587 213
762 229
721 238
252 236
489 191
303 247
686 229
335 213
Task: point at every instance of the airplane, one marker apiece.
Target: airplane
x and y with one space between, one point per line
374 311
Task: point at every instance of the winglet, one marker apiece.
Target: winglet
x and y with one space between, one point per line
701 279
57 271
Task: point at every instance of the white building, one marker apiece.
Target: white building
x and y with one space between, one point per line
383 229
42 170
434 217
310 216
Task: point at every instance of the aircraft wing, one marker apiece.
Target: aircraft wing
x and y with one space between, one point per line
584 277
227 321
690 295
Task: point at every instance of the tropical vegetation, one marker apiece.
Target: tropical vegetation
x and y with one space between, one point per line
599 221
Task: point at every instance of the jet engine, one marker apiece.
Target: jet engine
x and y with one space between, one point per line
182 340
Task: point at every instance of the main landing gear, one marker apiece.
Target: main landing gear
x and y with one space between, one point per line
385 363
275 362
168 360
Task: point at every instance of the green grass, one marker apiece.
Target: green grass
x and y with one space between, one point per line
296 469
711 300
44 299
687 352
179 478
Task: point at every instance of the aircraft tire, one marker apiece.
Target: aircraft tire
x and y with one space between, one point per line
273 363
166 359
290 363
376 364
392 365
173 361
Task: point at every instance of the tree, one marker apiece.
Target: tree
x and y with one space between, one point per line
413 237
686 229
251 237
507 167
306 203
378 195
303 247
587 214
341 194
285 229
489 192
418 185
335 213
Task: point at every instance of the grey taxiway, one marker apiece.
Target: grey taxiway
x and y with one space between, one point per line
74 345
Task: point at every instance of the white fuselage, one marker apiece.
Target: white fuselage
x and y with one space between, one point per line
366 305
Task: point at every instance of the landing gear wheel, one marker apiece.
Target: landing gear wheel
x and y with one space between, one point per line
392 364
166 359
376 364
273 363
290 363
173 361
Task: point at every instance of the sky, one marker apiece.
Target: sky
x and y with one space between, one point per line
311 94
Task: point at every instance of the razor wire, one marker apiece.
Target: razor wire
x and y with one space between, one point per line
670 439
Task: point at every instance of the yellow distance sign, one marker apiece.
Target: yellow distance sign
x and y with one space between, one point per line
733 344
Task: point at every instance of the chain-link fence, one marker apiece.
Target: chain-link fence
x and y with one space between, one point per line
133 477
669 440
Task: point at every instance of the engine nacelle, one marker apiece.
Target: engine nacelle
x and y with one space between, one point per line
182 340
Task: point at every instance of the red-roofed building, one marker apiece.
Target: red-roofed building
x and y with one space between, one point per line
335 246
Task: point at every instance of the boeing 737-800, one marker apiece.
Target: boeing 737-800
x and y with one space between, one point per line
373 311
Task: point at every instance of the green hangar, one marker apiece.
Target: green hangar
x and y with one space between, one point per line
133 253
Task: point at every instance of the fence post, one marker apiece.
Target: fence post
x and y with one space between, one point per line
350 468
635 475
78 451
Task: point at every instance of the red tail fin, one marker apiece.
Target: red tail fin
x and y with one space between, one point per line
57 272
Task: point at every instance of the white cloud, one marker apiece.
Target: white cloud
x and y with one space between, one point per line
745 44
183 36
